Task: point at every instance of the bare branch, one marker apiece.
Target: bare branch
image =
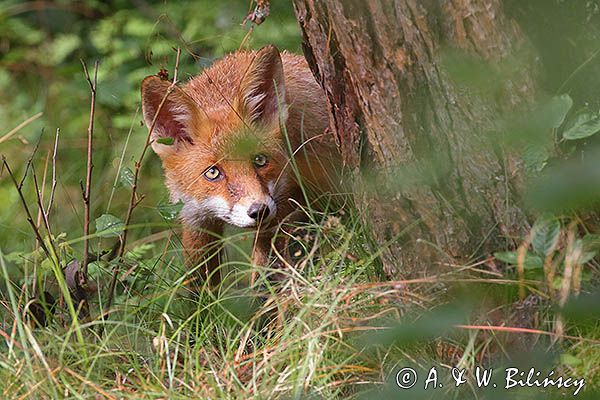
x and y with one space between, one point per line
29 161
44 214
26 208
41 194
90 166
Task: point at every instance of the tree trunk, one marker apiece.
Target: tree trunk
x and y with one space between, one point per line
444 188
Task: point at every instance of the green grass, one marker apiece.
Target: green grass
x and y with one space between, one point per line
329 329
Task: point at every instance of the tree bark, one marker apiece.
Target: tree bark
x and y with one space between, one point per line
395 111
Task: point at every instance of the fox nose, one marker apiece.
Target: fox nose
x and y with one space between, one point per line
258 211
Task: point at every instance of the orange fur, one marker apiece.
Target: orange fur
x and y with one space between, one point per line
223 119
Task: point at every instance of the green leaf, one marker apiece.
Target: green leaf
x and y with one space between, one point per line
585 124
47 265
138 252
94 270
546 232
591 242
511 258
587 250
137 26
535 157
126 177
167 141
109 226
169 211
586 256
557 109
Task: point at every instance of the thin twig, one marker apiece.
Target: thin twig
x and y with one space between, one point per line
53 187
88 176
26 208
30 160
40 204
38 221
133 200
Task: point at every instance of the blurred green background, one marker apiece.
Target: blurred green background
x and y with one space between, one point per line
41 44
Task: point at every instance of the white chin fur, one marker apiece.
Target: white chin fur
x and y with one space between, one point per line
195 212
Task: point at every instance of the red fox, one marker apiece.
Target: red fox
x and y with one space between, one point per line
236 144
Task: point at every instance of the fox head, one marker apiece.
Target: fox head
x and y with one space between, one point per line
224 161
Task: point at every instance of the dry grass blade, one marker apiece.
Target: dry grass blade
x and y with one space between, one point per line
89 383
521 255
53 187
17 128
525 330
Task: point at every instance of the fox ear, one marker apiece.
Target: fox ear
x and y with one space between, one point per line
174 118
261 97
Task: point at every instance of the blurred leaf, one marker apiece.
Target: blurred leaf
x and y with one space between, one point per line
568 359
426 327
546 232
511 258
245 145
583 309
169 211
591 242
531 133
168 141
126 177
95 270
108 225
469 70
585 256
27 33
138 27
61 48
568 186
237 310
557 109
585 124
535 157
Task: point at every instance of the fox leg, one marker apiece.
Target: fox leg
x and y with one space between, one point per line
276 237
202 247
262 247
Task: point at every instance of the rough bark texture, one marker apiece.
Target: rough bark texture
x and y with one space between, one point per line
393 106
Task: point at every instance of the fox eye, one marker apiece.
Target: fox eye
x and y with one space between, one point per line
260 160
212 174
